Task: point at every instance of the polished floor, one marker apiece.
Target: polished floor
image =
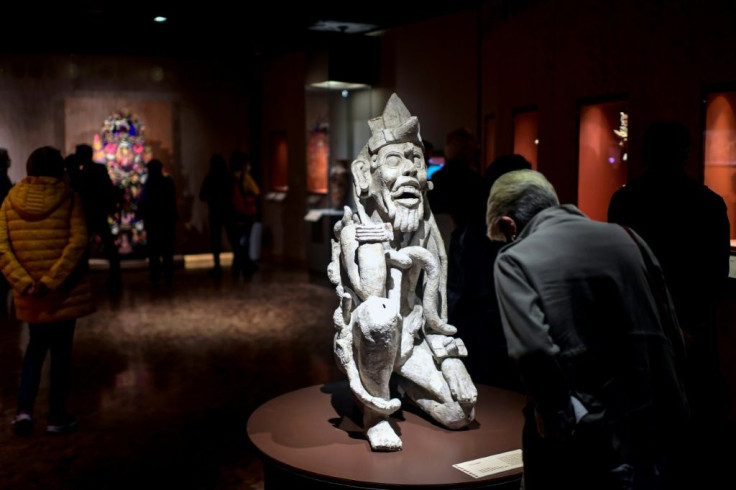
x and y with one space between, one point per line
164 381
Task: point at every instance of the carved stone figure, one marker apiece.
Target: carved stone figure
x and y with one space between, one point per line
389 268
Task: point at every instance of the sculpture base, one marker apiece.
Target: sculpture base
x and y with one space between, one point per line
312 438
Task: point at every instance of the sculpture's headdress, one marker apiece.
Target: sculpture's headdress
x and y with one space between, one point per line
395 125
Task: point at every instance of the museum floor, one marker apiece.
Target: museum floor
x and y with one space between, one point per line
164 382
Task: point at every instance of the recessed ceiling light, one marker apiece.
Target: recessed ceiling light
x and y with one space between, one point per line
159 18
344 27
335 85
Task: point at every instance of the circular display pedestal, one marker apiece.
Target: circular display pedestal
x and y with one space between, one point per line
312 438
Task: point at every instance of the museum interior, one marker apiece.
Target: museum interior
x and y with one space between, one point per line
165 378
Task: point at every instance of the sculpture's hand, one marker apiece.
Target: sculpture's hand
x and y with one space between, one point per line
461 386
345 234
399 259
377 404
345 231
361 246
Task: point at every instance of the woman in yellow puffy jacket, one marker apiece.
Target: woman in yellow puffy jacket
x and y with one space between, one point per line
43 255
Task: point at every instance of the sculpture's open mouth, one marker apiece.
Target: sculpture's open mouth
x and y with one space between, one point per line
406 195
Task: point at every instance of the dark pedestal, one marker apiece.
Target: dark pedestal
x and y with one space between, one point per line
311 438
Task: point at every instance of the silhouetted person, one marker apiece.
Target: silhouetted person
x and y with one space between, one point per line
5 185
458 193
457 186
245 212
216 191
101 199
428 151
471 293
48 276
72 168
686 225
157 209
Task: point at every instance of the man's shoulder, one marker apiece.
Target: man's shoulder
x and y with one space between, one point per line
712 198
631 190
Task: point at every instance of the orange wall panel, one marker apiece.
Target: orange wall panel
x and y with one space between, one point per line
526 132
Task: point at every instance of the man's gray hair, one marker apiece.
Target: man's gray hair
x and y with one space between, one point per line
520 195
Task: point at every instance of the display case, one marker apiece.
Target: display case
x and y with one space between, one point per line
318 156
526 134
602 154
335 131
719 158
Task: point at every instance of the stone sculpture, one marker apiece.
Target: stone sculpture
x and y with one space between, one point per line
389 268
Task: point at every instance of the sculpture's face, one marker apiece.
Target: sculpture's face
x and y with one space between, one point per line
398 184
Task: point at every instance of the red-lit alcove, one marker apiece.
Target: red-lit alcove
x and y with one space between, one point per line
279 161
601 156
526 134
720 151
318 155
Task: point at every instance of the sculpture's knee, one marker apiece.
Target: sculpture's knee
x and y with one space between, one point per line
377 321
376 334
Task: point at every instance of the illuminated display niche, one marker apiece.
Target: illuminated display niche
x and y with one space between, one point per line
602 155
720 151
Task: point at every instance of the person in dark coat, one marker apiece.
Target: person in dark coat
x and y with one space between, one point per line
157 208
101 199
659 206
216 191
589 322
457 186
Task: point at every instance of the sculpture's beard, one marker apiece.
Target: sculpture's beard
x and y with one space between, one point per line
407 220
404 217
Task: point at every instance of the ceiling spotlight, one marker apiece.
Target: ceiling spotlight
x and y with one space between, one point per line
159 18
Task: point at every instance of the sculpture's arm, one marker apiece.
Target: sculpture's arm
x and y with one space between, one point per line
416 255
361 247
412 324
437 244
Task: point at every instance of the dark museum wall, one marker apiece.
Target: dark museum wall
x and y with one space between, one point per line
191 110
554 55
434 71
